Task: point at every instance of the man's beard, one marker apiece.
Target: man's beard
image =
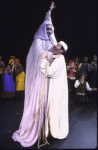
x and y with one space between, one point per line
56 52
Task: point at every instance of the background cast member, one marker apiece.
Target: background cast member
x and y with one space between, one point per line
81 86
71 74
8 82
20 78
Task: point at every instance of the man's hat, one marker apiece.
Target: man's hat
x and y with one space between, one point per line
71 61
17 61
10 61
64 45
12 57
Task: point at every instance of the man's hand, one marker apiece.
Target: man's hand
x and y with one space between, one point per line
81 80
52 5
44 55
94 89
93 63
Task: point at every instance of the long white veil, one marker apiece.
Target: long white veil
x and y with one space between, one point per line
27 134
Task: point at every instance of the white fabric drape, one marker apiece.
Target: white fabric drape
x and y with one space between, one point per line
27 134
57 108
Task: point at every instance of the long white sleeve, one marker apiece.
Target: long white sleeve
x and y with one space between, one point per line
43 62
48 17
88 87
54 71
77 83
51 69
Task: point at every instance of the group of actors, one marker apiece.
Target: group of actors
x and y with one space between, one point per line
82 77
45 111
12 78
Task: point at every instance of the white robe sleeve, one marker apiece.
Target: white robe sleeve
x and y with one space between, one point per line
43 62
77 83
51 70
48 17
88 87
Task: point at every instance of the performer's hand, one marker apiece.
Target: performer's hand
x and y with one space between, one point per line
94 89
44 55
52 5
93 63
81 80
68 67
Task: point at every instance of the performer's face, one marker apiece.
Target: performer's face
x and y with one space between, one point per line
13 62
16 62
57 49
85 60
95 58
49 29
71 64
76 61
82 77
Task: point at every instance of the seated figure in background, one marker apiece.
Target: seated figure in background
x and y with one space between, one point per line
81 86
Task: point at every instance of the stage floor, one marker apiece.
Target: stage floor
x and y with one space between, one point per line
82 124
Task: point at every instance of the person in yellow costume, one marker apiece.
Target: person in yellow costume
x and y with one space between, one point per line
20 78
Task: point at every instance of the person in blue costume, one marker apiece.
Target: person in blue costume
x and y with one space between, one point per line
8 82
84 67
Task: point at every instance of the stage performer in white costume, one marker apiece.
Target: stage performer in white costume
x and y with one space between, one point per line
57 122
32 125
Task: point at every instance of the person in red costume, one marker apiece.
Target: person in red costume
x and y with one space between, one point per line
77 63
71 74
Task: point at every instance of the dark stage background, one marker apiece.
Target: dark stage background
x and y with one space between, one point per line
75 22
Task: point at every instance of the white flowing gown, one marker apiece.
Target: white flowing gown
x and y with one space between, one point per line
29 132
